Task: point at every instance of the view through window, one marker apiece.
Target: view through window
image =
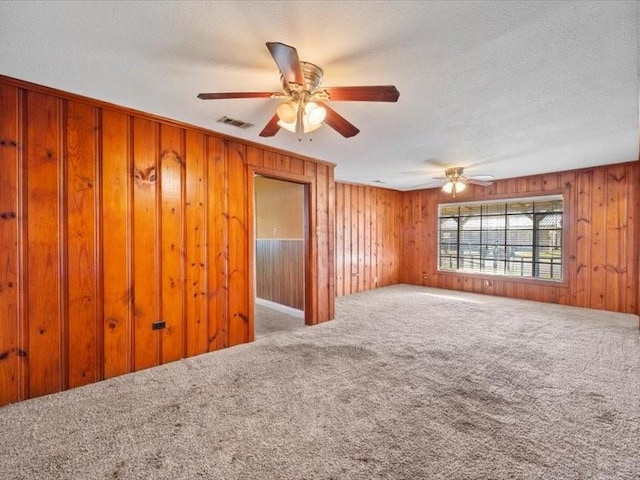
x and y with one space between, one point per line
518 238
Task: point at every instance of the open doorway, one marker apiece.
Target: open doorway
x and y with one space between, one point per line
280 261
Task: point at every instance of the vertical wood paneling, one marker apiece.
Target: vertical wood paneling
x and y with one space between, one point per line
600 269
617 229
218 244
369 248
112 220
330 251
355 240
597 235
116 244
172 243
196 245
345 214
313 252
582 223
11 380
84 326
340 243
322 234
238 320
145 242
43 249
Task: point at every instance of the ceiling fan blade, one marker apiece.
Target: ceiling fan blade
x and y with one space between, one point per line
271 128
428 185
339 123
221 96
374 93
475 181
286 58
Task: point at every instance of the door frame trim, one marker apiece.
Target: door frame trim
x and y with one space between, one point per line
310 240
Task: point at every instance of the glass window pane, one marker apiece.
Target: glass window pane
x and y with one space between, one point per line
493 222
470 210
468 238
550 206
448 211
449 237
520 237
493 237
549 238
470 223
494 209
520 207
514 238
449 224
548 221
520 221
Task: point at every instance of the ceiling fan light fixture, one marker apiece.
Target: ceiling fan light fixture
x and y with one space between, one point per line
314 113
449 187
287 112
306 127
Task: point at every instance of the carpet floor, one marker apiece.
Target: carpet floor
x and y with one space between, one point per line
407 383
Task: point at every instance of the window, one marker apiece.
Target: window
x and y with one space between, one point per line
517 238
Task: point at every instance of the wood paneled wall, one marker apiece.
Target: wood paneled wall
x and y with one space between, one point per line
601 238
368 240
112 220
280 271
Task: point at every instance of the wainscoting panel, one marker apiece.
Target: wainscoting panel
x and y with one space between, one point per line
280 271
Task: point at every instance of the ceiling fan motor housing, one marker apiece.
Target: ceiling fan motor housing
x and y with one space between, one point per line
454 173
313 75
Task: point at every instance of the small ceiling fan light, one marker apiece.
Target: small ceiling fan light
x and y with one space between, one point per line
315 114
287 112
447 187
291 126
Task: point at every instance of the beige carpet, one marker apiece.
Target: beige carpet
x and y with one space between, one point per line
406 383
270 319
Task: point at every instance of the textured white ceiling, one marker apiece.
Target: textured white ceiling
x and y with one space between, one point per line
502 88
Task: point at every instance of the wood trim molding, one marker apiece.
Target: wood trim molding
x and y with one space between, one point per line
310 267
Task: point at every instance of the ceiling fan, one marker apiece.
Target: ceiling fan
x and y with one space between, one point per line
304 108
455 181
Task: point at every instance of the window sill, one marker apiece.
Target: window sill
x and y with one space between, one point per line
505 278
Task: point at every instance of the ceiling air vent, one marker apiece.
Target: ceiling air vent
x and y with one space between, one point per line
236 123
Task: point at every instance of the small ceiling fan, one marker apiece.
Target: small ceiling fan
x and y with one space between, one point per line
304 108
455 181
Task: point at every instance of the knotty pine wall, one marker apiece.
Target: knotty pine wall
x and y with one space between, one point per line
601 246
368 241
111 220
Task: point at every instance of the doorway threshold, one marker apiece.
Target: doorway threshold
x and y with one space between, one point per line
283 308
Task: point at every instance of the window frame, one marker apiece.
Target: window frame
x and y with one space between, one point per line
507 199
